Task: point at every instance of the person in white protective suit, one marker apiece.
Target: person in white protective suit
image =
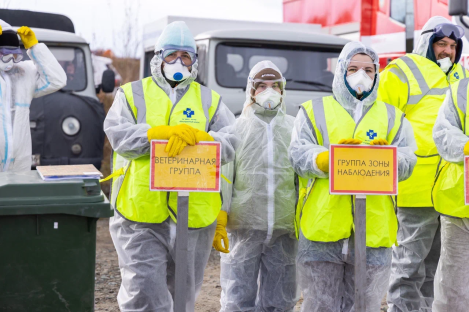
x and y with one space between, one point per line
169 105
259 272
352 115
451 136
20 82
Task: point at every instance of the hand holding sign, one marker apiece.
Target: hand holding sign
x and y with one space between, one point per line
350 141
175 146
323 161
183 131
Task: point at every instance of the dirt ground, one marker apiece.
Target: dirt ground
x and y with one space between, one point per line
108 277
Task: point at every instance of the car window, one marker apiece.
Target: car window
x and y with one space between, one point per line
304 68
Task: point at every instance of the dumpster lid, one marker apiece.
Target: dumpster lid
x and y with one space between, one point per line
23 190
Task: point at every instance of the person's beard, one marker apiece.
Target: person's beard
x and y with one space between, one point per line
443 55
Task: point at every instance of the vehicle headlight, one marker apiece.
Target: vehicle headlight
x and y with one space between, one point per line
71 126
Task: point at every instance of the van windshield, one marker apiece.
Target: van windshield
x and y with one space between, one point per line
72 61
304 68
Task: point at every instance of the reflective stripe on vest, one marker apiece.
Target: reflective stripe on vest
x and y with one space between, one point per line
424 88
328 218
130 193
448 191
427 86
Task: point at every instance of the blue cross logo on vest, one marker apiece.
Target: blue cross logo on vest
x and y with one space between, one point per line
188 112
371 134
456 75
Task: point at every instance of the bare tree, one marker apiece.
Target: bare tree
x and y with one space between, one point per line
128 38
5 4
126 44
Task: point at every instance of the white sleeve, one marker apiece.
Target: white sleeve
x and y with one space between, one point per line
127 138
222 130
50 75
406 147
447 132
304 149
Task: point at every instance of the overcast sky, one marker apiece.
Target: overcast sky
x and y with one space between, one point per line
102 22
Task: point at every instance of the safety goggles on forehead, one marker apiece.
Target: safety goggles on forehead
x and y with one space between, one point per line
186 56
445 30
10 53
280 83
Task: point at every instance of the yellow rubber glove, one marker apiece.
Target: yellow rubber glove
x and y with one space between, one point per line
323 161
220 233
27 37
379 142
350 141
1 30
203 136
466 149
183 131
175 146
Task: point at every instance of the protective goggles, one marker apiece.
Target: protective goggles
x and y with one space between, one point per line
170 56
279 83
10 53
445 30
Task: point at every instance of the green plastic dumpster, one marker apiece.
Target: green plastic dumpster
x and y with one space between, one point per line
48 242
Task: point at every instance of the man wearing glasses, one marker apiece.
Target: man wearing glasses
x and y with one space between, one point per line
169 105
417 83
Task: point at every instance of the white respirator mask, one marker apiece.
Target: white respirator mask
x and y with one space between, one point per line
6 66
445 64
269 99
176 71
360 81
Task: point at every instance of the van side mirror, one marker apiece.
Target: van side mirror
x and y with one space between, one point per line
458 7
109 81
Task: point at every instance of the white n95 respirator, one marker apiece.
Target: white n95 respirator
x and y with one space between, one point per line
176 71
445 64
360 81
269 99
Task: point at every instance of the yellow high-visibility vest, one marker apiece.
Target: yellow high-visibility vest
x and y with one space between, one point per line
448 192
131 195
426 85
328 218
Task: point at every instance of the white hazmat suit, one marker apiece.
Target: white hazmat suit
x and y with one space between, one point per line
18 86
259 273
147 250
452 277
326 269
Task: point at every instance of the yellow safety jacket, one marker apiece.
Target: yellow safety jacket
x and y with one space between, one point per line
417 86
131 194
448 192
328 218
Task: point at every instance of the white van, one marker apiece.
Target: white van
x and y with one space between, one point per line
306 57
